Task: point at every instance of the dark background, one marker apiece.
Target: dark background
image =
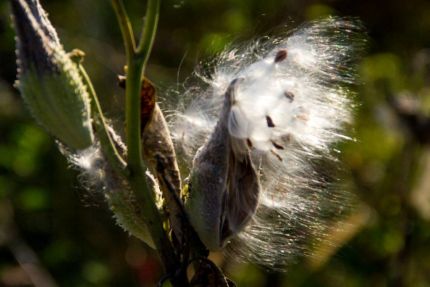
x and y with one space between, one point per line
45 214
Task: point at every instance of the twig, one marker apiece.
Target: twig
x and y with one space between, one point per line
136 61
24 255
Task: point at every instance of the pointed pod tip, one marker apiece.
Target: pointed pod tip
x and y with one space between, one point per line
49 83
35 37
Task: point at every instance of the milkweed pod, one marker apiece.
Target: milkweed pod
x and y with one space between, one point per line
293 102
49 81
223 185
159 154
97 175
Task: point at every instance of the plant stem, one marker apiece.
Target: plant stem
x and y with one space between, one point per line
136 61
108 146
149 29
132 115
125 26
134 163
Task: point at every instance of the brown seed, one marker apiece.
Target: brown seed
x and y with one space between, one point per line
289 96
277 146
249 143
281 55
277 155
270 123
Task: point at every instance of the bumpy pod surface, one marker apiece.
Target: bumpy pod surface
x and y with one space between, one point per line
48 80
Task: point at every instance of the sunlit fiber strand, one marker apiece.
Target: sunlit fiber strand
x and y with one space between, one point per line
291 104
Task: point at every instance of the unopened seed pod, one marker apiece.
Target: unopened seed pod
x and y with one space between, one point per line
48 79
223 185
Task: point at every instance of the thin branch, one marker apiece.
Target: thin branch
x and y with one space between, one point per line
125 26
135 66
149 29
23 253
132 115
107 143
30 263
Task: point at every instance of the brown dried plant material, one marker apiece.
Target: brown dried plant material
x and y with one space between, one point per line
159 154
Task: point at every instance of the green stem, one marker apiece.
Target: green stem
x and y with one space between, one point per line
107 143
132 115
149 29
125 26
136 61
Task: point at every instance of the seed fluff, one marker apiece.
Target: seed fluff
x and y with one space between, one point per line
97 176
292 103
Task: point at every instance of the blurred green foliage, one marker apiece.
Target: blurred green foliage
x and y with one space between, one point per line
72 232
